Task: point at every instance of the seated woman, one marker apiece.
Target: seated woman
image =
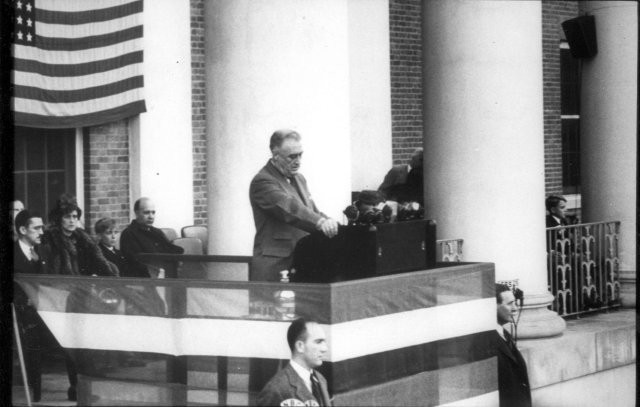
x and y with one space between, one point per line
68 249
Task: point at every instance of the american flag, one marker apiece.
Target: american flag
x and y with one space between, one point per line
77 62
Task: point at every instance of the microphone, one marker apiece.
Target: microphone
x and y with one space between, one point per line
519 295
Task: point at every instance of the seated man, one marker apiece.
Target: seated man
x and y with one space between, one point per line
298 383
26 259
142 237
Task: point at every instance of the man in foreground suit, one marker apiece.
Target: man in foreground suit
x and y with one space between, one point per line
283 210
513 380
298 383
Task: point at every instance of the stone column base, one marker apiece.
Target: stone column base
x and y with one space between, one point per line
628 289
536 320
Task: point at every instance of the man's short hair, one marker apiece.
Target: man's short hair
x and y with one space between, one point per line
500 288
553 200
23 218
136 205
279 136
103 225
297 332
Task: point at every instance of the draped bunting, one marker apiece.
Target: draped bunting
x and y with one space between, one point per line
409 331
77 62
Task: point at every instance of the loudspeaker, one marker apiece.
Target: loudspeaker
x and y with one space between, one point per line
581 36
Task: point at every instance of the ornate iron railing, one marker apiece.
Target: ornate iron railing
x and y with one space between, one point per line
449 250
582 267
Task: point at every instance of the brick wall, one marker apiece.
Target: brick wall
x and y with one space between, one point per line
106 174
198 113
553 14
405 26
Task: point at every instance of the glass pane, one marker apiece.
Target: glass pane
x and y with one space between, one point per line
35 151
56 152
36 200
56 186
18 152
571 156
569 83
18 188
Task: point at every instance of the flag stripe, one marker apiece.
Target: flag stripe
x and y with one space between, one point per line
236 337
67 59
52 16
94 41
80 81
81 120
75 108
86 30
78 95
79 5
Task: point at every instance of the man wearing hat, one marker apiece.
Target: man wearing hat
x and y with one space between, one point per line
283 210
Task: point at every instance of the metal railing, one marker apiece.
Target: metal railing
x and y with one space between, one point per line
449 250
582 267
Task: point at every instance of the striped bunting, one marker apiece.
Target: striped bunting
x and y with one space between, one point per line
77 62
412 331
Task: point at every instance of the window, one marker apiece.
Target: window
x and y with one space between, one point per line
44 166
570 119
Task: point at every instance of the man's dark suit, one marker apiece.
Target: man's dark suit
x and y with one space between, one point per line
282 217
287 384
513 380
137 238
396 175
33 331
125 268
552 222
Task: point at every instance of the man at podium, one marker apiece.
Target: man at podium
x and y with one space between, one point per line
283 210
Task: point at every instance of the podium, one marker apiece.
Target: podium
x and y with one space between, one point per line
415 338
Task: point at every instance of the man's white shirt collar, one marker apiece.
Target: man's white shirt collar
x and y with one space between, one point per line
303 372
500 330
26 249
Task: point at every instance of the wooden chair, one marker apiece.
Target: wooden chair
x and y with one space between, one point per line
170 233
191 245
199 231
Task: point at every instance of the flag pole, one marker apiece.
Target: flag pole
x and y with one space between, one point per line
20 356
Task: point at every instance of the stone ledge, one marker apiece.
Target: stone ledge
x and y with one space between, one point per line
589 345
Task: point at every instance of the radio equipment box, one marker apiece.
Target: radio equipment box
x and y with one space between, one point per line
361 251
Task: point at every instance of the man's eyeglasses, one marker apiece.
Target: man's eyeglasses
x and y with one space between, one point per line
293 157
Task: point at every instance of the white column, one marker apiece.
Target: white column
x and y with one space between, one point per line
484 153
608 126
297 64
161 148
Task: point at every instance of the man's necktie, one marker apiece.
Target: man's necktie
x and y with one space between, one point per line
293 182
34 255
315 388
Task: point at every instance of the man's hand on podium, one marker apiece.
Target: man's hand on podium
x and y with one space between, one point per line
328 226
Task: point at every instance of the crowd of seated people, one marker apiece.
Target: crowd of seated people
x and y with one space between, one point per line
64 247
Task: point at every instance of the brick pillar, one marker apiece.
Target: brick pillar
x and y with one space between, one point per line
106 174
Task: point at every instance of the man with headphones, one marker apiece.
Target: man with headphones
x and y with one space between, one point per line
513 380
